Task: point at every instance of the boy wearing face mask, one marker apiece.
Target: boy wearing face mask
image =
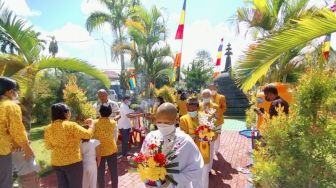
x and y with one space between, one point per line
206 106
188 156
220 101
188 123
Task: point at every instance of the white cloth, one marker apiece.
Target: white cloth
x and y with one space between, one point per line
217 144
21 165
124 122
88 150
189 158
114 107
205 176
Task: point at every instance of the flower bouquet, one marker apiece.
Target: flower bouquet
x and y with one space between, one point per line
154 165
206 130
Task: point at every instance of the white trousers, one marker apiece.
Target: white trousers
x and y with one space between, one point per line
90 175
217 144
214 147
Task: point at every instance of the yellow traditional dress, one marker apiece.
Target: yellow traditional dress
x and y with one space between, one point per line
188 125
220 101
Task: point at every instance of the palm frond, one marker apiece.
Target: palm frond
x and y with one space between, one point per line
73 64
10 64
255 63
97 19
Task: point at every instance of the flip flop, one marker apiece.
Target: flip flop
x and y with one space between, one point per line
243 170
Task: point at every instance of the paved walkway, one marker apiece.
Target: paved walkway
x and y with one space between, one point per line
233 154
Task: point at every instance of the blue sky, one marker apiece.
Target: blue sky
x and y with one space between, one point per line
206 23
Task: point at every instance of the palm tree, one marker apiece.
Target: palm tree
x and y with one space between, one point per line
265 18
25 64
116 18
256 62
149 51
53 47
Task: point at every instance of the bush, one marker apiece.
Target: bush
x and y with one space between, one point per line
300 149
167 93
76 99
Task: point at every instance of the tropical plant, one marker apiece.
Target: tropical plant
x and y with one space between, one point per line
263 19
76 99
118 13
150 53
200 72
167 93
28 61
53 47
300 148
258 61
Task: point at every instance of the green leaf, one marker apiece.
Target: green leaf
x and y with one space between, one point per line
173 171
171 165
73 64
10 64
169 178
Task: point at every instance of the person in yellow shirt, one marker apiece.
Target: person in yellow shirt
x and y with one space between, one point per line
12 130
210 109
106 132
188 123
182 104
220 100
63 138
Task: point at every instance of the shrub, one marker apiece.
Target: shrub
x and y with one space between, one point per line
76 99
300 149
167 93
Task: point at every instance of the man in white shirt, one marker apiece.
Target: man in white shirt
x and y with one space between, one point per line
124 123
104 100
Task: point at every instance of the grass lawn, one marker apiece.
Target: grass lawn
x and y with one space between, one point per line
42 155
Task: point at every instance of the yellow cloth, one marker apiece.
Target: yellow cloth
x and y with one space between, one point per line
11 126
188 125
63 138
182 107
220 100
104 132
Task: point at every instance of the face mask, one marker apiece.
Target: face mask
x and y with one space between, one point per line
213 92
165 129
206 100
193 114
128 103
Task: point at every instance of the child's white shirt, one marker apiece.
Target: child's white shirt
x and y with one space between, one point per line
88 150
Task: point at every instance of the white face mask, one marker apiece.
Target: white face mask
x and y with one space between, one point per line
193 114
128 103
165 129
206 100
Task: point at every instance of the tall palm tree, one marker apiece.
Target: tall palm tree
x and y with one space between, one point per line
148 48
27 62
116 18
263 19
256 62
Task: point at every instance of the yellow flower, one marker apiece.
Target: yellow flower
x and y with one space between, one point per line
151 162
151 172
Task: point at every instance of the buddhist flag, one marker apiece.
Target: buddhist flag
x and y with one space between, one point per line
180 29
326 47
132 82
219 54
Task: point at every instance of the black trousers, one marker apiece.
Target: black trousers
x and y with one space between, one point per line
111 161
70 176
6 171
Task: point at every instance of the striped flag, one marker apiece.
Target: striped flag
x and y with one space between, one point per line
219 59
132 82
180 29
326 47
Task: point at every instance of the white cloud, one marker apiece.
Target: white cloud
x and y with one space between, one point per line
202 35
89 6
21 8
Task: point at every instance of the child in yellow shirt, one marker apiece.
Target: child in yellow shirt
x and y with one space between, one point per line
106 131
188 123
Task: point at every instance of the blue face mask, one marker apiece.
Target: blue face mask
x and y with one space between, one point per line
193 114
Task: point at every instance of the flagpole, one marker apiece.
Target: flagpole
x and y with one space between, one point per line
179 68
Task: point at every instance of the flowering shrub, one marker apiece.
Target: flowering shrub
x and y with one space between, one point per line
154 164
300 148
76 99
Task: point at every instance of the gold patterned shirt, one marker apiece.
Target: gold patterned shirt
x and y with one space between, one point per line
63 138
105 130
11 126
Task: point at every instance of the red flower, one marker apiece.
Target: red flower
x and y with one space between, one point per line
152 146
160 158
140 158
